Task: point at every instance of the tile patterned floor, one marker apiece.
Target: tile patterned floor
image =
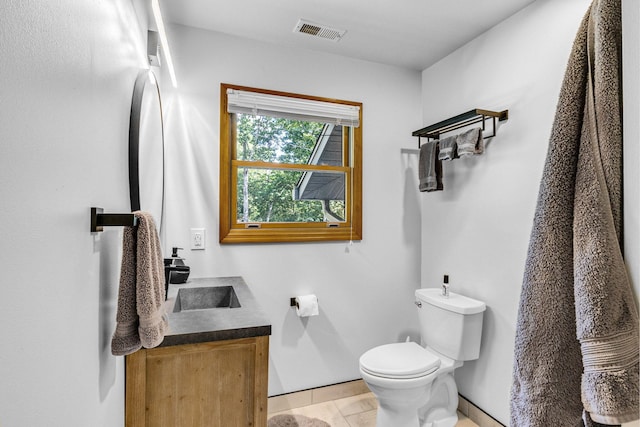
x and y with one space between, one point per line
354 411
351 404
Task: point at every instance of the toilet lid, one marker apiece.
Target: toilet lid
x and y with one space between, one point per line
399 360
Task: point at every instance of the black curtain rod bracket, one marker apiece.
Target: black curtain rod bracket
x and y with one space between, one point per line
100 220
470 117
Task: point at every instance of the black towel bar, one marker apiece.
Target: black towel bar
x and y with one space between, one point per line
461 120
100 220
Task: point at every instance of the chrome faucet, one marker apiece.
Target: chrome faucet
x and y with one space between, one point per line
445 286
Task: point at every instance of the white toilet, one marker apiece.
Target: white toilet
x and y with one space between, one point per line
414 385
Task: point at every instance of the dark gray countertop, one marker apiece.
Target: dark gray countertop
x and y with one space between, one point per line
217 324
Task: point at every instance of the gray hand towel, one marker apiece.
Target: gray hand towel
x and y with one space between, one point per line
150 293
429 167
576 347
470 142
448 149
125 339
140 315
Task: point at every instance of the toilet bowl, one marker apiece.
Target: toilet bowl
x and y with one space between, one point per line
414 385
403 377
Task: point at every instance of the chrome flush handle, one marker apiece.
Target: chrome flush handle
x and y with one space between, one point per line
418 303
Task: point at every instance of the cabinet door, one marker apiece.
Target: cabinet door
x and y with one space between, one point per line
222 383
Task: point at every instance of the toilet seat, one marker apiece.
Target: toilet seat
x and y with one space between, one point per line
399 361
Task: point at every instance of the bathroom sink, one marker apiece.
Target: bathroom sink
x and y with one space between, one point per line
206 298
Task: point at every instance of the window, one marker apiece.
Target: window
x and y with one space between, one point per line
290 167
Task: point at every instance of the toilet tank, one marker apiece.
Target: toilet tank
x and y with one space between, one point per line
450 325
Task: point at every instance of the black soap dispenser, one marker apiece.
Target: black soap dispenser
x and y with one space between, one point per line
175 270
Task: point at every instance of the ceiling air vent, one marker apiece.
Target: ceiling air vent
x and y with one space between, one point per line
317 30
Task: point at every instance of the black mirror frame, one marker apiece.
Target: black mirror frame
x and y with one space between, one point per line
134 139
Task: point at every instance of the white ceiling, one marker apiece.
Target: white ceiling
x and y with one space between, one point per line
412 34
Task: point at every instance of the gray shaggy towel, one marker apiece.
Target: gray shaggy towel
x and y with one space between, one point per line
576 347
140 317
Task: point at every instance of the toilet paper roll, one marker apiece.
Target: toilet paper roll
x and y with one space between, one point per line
307 305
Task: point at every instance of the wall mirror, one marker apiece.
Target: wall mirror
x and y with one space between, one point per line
146 148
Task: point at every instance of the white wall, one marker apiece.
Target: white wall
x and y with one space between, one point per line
477 229
631 108
631 99
366 295
66 78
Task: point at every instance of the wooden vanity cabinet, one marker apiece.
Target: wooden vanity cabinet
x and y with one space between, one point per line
211 384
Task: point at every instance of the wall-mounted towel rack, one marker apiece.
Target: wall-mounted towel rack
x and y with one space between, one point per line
461 120
100 220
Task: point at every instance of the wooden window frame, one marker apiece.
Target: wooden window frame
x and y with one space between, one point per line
269 232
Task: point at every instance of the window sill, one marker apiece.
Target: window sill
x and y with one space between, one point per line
290 234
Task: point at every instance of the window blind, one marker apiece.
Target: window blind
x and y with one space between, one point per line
243 102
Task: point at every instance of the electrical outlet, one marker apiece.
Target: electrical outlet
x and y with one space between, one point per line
197 239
